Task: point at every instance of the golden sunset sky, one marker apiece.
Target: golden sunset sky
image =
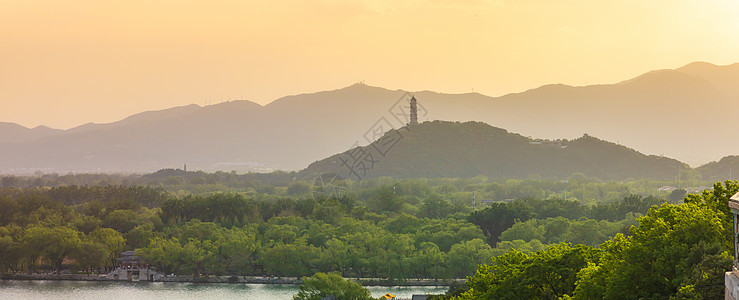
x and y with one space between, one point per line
65 63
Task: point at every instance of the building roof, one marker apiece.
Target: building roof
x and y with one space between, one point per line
129 256
388 296
734 202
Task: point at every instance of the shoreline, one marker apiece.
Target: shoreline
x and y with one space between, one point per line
225 279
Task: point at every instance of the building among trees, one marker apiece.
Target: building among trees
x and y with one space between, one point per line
131 268
732 277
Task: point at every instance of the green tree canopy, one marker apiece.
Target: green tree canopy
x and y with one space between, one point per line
326 284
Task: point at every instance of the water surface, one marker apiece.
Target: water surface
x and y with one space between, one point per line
77 290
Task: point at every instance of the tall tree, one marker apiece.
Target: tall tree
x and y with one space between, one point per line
55 243
499 217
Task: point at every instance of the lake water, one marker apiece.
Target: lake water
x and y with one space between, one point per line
78 290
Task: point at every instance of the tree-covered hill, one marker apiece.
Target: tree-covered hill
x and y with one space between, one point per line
724 169
454 149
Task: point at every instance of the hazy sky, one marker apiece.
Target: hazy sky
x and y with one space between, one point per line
65 63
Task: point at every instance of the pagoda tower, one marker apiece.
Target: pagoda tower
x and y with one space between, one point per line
414 112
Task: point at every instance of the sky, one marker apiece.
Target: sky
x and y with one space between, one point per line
66 63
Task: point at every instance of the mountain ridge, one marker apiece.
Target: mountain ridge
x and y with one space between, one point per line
669 112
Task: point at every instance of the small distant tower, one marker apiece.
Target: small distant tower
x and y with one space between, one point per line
414 111
185 168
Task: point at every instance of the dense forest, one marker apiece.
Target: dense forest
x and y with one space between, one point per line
589 190
676 252
387 229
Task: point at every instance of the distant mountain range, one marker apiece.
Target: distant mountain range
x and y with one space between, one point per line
684 113
14 133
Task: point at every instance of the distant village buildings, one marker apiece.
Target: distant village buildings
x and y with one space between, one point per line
689 190
549 144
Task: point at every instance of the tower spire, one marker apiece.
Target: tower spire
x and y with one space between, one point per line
414 111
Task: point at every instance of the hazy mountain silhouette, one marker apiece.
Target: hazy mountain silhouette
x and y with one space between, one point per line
684 113
452 149
724 78
148 116
14 133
